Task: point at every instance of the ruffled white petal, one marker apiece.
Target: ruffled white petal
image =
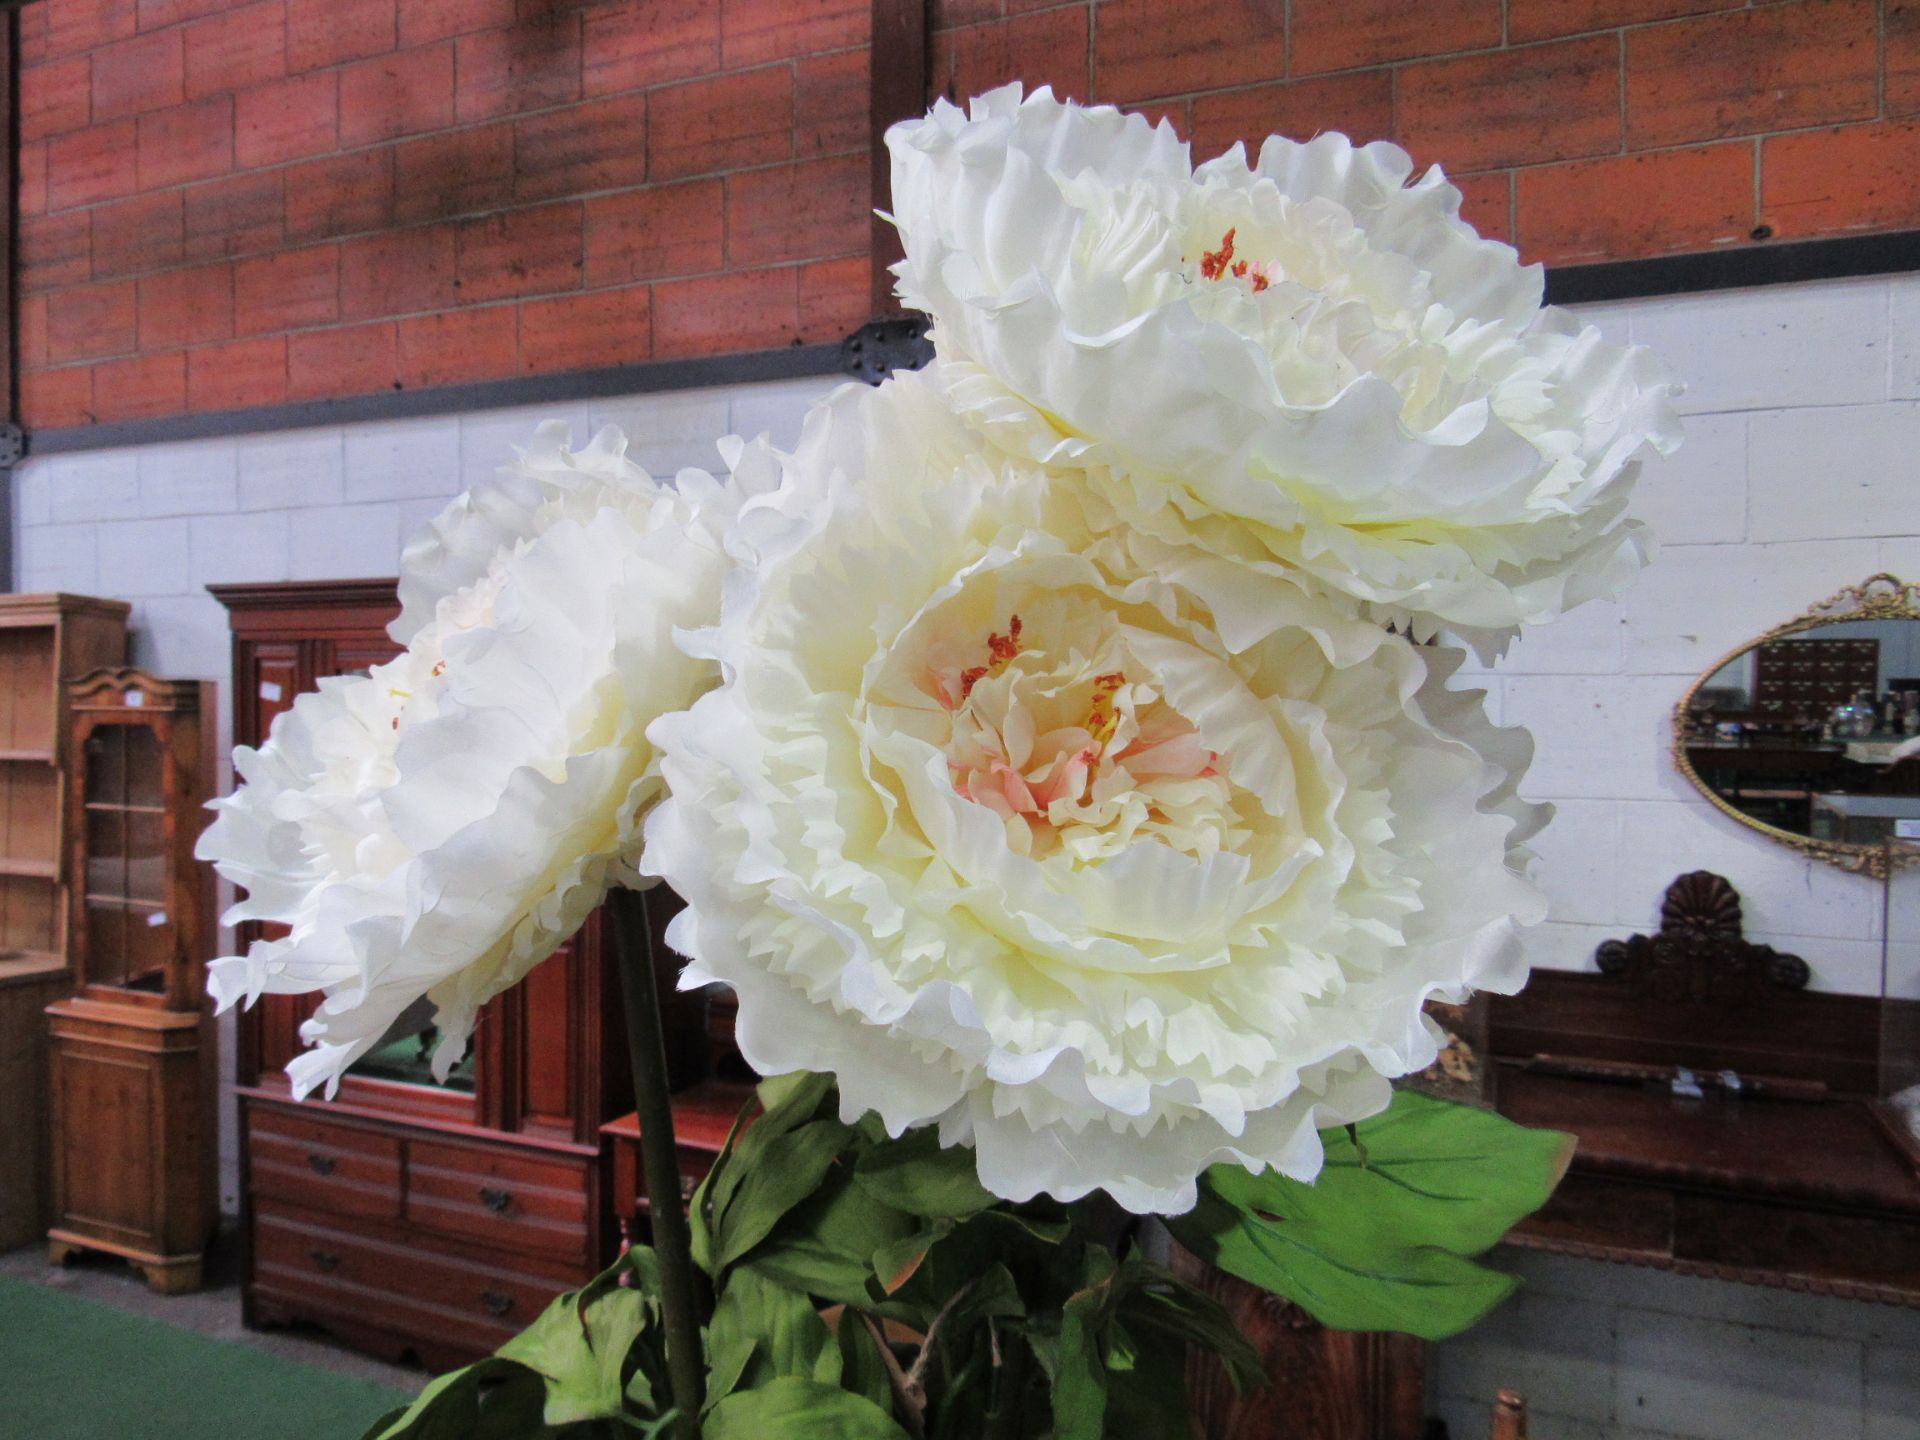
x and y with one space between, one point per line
1156 877
441 825
1303 364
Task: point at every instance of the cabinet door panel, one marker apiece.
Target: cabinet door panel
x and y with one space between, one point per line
106 1184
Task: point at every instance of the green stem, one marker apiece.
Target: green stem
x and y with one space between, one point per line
672 1247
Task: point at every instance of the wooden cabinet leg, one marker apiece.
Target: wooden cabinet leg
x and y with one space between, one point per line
175 1279
59 1252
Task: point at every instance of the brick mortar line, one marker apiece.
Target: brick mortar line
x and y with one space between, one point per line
515 302
458 126
89 51
458 218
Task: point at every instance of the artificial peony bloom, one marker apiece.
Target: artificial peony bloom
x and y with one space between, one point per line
441 825
1108 857
1303 363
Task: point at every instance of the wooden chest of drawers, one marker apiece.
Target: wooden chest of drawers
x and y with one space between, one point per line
406 1240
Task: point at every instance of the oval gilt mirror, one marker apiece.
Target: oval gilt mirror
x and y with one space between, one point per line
1810 733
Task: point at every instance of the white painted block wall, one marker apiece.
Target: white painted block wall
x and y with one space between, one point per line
157 524
1801 475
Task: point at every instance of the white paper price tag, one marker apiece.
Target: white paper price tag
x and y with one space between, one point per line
157 919
269 691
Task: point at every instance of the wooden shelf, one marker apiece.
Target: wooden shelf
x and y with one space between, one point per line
29 869
38 757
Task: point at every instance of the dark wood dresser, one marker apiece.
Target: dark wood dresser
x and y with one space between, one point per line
405 1216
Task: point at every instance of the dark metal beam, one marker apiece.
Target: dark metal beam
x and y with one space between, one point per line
1738 268
790 363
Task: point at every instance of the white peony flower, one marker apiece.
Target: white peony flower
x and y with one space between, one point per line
1111 858
1303 363
441 825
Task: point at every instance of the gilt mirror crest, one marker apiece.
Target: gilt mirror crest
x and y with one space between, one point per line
1810 733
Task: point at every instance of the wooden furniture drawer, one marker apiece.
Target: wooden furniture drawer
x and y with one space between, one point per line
514 1200
472 1302
338 1168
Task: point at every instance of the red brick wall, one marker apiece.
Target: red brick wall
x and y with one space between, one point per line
1581 130
242 202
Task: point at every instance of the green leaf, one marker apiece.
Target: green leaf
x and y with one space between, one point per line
1163 1305
786 1172
1381 1244
580 1347
454 1406
1080 1368
1440 1173
831 1243
791 1408
861 1369
786 1102
762 1330
916 1175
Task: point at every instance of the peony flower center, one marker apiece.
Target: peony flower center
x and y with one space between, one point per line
1078 752
1219 264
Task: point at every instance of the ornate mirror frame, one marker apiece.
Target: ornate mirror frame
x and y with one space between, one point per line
1879 597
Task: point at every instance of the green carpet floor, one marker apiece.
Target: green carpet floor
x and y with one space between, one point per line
73 1369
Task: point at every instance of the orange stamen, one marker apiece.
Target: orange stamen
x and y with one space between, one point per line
1214 263
1100 716
1000 650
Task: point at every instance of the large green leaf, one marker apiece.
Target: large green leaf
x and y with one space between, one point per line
761 1330
791 1408
581 1351
1079 1368
1441 1173
917 1175
838 1243
490 1400
785 1173
1380 1240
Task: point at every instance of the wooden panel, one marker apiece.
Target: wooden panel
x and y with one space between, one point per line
26 989
29 915
266 687
29 707
476 1303
108 1182
1830 1038
29 813
342 1169
357 654
548 1042
1632 1218
1829 1153
1741 1236
506 1197
1325 1384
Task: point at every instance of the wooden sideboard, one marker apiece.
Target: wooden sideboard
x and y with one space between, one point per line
406 1216
1803 1188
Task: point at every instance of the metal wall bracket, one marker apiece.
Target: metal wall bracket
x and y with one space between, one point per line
13 445
880 347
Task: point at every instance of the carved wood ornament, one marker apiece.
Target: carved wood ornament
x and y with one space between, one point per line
1700 956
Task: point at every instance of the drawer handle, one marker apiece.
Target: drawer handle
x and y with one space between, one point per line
325 1259
496 1302
495 1200
320 1164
